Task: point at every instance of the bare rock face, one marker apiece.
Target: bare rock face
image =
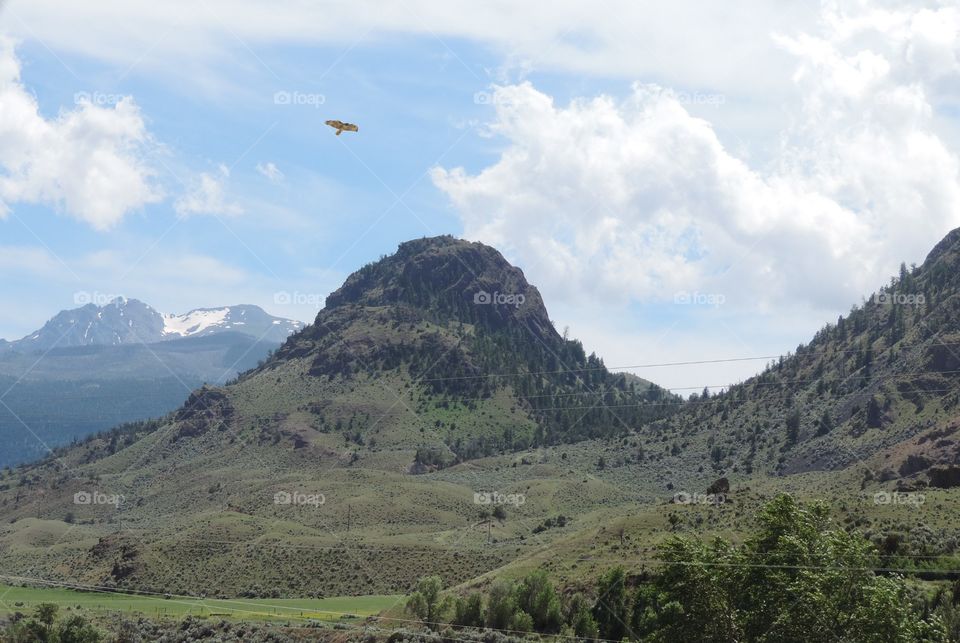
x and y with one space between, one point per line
453 279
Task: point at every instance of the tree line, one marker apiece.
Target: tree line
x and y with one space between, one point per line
796 577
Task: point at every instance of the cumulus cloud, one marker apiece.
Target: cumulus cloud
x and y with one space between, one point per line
270 171
207 196
87 161
639 199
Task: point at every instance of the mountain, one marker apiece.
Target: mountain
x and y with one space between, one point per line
129 321
94 367
123 321
465 326
877 392
431 380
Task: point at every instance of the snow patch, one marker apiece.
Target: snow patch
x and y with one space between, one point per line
196 321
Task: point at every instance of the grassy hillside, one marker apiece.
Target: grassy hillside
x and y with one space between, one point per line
878 390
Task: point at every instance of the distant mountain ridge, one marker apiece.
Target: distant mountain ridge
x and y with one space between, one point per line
93 367
130 321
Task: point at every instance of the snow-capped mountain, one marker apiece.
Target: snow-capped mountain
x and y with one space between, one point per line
130 321
246 319
93 367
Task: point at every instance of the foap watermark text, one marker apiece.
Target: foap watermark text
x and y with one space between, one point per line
684 498
498 299
284 97
97 498
297 298
687 298
899 498
84 297
497 498
899 299
299 498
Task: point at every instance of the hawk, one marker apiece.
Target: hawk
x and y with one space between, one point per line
342 127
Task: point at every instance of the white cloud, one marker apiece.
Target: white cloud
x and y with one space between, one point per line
620 37
207 196
270 171
639 199
87 161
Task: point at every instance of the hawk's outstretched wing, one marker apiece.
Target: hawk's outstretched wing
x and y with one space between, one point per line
341 127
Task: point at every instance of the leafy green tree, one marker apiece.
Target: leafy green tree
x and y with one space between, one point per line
694 598
425 602
27 631
46 613
537 597
580 618
76 630
644 613
798 578
39 628
521 622
44 627
611 611
468 612
501 605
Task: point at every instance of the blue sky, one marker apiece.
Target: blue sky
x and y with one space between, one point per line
680 183
333 190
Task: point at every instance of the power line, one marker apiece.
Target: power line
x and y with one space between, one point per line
599 368
662 364
698 387
678 405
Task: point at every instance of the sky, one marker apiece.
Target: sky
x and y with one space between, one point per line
683 181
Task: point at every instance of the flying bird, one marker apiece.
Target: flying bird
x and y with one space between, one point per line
342 127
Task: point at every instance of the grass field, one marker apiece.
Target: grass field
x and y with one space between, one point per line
25 599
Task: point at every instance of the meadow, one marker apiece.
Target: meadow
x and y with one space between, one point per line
340 608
